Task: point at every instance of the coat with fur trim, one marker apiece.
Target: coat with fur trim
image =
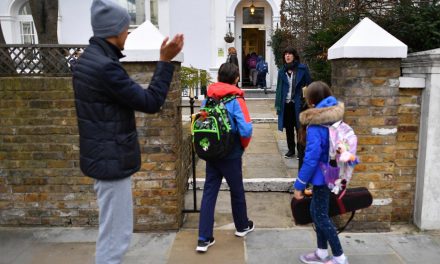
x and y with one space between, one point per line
317 120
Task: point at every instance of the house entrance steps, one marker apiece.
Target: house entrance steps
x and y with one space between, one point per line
267 175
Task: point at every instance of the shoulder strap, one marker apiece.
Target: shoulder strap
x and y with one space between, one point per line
332 132
227 99
341 229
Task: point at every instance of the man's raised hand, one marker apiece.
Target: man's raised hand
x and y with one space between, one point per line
169 50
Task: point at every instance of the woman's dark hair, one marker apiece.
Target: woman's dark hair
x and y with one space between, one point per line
293 51
316 92
228 73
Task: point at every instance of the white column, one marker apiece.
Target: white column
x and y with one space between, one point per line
274 70
427 202
164 17
8 26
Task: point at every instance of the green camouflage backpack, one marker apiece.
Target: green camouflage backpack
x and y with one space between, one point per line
211 130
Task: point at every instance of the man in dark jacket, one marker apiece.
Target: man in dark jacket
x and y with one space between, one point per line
105 99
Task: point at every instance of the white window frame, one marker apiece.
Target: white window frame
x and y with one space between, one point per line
154 11
26 19
32 34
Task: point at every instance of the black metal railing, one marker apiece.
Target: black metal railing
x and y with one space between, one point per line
44 59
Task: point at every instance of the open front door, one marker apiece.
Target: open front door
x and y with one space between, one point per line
253 40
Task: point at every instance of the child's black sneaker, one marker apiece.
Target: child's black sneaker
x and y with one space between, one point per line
202 245
244 232
290 154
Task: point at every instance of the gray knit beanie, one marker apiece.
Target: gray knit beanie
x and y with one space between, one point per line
109 19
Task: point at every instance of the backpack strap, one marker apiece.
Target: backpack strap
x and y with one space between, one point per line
331 133
227 99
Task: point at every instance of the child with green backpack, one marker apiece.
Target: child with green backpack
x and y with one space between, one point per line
228 165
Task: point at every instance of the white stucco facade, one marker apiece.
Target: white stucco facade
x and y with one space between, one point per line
203 22
73 21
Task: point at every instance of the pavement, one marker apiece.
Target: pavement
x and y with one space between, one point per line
276 239
264 245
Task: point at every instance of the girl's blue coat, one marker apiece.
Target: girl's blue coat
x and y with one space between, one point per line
316 150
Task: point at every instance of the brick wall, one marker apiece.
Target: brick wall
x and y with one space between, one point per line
42 183
40 179
385 118
408 124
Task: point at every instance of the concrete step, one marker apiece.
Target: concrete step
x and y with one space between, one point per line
266 209
252 185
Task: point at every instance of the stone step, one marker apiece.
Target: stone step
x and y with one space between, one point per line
252 185
256 119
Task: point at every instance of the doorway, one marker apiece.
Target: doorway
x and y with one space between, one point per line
253 40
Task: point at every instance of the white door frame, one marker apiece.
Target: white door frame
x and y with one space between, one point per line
271 21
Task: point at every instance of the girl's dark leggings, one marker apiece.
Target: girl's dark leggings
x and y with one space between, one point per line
325 229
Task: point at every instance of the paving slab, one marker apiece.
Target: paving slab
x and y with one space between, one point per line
361 244
278 246
436 238
269 171
274 255
258 160
54 253
415 248
265 239
150 248
266 209
368 259
28 245
75 246
13 245
227 249
262 132
263 147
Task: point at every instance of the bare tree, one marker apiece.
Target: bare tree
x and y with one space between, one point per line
304 17
2 38
6 63
45 15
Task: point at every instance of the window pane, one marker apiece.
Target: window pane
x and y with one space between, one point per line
27 33
256 18
136 10
25 9
26 28
154 12
27 39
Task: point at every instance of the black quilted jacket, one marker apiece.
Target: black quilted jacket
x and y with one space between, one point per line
105 99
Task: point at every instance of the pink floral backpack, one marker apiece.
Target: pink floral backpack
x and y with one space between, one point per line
342 156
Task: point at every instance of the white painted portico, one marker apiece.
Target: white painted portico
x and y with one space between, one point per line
234 19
